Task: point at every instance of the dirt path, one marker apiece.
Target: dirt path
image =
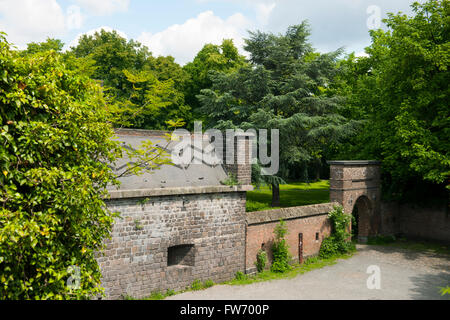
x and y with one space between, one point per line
404 274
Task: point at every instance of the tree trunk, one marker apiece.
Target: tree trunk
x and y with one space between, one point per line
276 195
318 167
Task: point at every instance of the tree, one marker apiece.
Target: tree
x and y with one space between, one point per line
165 68
112 54
273 181
143 92
55 151
404 93
285 88
152 104
49 44
223 58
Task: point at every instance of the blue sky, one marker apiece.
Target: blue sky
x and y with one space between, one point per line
181 27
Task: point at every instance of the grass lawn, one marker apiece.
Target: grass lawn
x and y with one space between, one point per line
291 195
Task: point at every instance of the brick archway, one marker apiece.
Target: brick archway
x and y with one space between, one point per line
357 183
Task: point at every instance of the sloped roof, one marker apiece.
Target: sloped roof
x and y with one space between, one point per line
167 176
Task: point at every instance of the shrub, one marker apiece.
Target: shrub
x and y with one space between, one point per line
280 249
240 276
55 146
445 290
208 284
337 242
196 285
170 292
261 260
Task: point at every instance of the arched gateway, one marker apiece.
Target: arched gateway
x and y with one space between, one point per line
356 184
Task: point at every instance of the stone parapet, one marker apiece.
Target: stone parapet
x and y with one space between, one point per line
141 193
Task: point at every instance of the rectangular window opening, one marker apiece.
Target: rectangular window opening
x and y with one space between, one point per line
183 255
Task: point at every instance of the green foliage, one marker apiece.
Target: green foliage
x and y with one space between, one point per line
337 243
55 148
231 180
221 58
445 291
402 91
170 293
261 260
208 284
150 104
138 225
49 44
144 92
280 249
240 276
112 54
55 143
293 194
310 264
284 88
253 206
147 157
196 285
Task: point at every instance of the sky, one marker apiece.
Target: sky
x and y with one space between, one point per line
180 28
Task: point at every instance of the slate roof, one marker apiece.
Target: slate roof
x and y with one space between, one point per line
167 176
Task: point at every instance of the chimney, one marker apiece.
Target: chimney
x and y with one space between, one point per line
238 159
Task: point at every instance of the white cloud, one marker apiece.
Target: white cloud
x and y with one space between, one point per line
263 11
334 23
74 43
185 40
74 17
31 20
104 7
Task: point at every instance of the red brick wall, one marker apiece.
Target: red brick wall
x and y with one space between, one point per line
427 223
309 225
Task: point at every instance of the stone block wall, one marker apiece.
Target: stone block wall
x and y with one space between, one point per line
135 261
308 220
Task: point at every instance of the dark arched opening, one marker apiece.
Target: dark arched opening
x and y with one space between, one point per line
362 216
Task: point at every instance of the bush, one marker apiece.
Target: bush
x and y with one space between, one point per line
55 146
240 276
261 260
280 249
208 284
337 242
196 285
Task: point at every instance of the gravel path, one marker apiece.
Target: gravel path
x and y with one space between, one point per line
405 274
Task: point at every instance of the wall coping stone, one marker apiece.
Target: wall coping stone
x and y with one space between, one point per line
267 216
139 193
354 162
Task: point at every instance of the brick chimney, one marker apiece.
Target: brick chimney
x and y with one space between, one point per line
238 156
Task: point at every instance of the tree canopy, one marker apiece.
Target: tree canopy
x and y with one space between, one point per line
401 89
222 58
285 88
54 148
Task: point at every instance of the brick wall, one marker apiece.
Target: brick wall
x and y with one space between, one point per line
135 259
308 220
414 221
